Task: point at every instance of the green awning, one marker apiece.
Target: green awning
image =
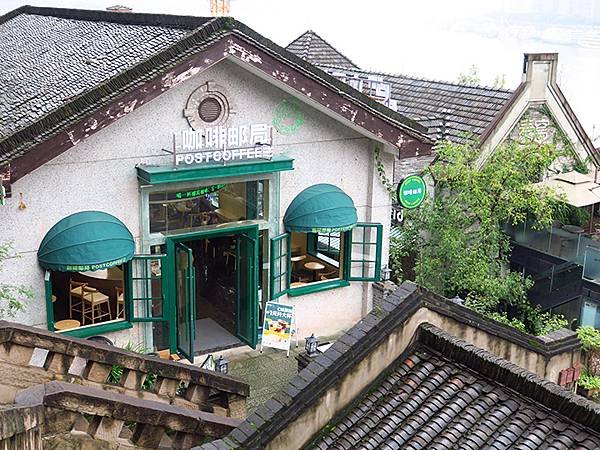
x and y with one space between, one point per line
180 174
86 241
322 208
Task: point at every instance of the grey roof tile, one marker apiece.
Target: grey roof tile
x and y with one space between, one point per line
448 110
45 61
430 401
314 49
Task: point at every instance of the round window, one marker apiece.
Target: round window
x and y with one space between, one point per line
210 109
209 105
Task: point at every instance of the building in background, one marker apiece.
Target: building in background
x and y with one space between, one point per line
564 261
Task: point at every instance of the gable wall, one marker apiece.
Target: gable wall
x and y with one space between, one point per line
99 173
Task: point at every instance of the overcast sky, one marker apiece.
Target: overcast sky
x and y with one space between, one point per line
428 38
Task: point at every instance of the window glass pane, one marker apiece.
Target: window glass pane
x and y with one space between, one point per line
87 298
147 290
329 247
207 205
279 265
591 314
316 258
366 252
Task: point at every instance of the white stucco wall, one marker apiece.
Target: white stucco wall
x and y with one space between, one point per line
99 173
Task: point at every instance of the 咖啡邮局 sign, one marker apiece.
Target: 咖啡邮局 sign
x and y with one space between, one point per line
224 144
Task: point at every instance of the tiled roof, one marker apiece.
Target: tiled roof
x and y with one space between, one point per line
448 110
106 55
45 61
316 50
440 393
430 401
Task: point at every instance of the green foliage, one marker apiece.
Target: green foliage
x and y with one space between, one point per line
589 381
470 77
458 234
589 337
381 173
502 318
548 322
569 214
499 82
116 372
13 297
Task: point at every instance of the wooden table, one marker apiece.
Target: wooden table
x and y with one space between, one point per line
67 324
296 284
315 267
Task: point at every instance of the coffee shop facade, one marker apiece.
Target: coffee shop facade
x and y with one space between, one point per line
169 215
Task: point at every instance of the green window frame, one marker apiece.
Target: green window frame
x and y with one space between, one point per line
363 260
145 288
142 295
85 331
281 273
327 248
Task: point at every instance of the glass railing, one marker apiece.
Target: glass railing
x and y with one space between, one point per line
566 242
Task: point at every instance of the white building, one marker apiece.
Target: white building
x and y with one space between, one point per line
235 172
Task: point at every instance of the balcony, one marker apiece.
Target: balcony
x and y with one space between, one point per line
566 242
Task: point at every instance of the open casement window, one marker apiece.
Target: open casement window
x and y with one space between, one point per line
326 246
280 265
49 302
364 260
145 292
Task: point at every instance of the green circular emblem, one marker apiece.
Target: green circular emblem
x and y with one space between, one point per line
411 192
288 117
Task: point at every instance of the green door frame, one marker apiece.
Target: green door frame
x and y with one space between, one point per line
171 307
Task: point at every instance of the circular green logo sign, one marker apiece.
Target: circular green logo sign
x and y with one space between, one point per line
411 192
288 117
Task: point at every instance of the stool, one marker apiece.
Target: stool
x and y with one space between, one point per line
89 303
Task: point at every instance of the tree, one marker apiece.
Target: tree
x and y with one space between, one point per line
13 297
470 77
458 235
499 82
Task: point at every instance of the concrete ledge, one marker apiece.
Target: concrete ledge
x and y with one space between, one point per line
16 334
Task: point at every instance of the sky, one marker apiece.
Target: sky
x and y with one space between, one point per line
435 39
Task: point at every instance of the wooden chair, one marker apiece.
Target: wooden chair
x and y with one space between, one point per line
120 303
90 302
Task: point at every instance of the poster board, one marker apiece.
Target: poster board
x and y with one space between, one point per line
277 326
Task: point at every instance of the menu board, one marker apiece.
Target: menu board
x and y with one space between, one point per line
277 326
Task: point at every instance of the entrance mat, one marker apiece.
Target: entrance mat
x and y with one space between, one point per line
210 336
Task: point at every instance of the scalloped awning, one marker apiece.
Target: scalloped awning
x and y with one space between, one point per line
86 241
321 208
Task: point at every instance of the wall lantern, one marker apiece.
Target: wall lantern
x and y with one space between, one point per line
457 300
311 345
386 273
222 365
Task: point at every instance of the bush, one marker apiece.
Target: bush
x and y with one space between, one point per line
589 381
589 337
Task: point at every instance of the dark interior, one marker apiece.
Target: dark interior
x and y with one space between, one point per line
215 261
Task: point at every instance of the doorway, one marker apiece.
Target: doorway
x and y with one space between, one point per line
216 291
